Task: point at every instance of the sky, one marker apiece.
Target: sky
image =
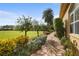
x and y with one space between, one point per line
9 12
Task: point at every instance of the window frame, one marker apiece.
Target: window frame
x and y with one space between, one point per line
74 19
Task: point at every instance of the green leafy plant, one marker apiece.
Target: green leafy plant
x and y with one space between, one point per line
21 44
7 47
70 48
24 24
25 47
58 26
36 44
48 18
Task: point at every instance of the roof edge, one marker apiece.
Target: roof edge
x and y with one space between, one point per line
63 9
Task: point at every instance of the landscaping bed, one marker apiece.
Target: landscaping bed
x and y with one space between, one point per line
21 46
69 47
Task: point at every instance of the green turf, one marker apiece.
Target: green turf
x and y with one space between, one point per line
14 34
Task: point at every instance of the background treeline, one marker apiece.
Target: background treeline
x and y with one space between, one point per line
41 27
7 27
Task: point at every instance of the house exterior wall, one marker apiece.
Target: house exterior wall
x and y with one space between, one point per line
66 17
67 21
75 37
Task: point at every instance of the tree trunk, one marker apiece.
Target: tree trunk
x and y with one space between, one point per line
38 33
25 33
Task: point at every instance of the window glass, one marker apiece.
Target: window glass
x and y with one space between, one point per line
71 28
77 14
74 22
71 18
71 25
77 27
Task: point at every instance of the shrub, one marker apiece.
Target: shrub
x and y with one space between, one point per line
46 32
27 48
36 44
11 47
66 42
58 27
21 43
22 40
70 48
21 46
7 47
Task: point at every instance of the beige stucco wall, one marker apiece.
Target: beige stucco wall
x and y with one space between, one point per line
73 37
77 4
66 20
75 40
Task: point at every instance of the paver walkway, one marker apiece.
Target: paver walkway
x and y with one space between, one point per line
52 47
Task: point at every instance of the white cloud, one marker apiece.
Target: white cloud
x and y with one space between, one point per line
9 14
7 17
6 13
56 16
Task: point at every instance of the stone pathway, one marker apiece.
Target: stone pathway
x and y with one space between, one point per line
52 47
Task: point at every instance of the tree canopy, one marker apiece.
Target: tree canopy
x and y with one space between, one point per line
48 16
24 23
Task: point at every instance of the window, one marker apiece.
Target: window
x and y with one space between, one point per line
77 27
72 23
72 18
77 14
75 21
71 28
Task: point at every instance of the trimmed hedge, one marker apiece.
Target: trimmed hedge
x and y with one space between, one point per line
59 27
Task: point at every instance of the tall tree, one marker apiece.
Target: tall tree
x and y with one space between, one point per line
24 23
48 17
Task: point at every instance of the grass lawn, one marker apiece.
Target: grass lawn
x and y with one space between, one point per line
14 34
